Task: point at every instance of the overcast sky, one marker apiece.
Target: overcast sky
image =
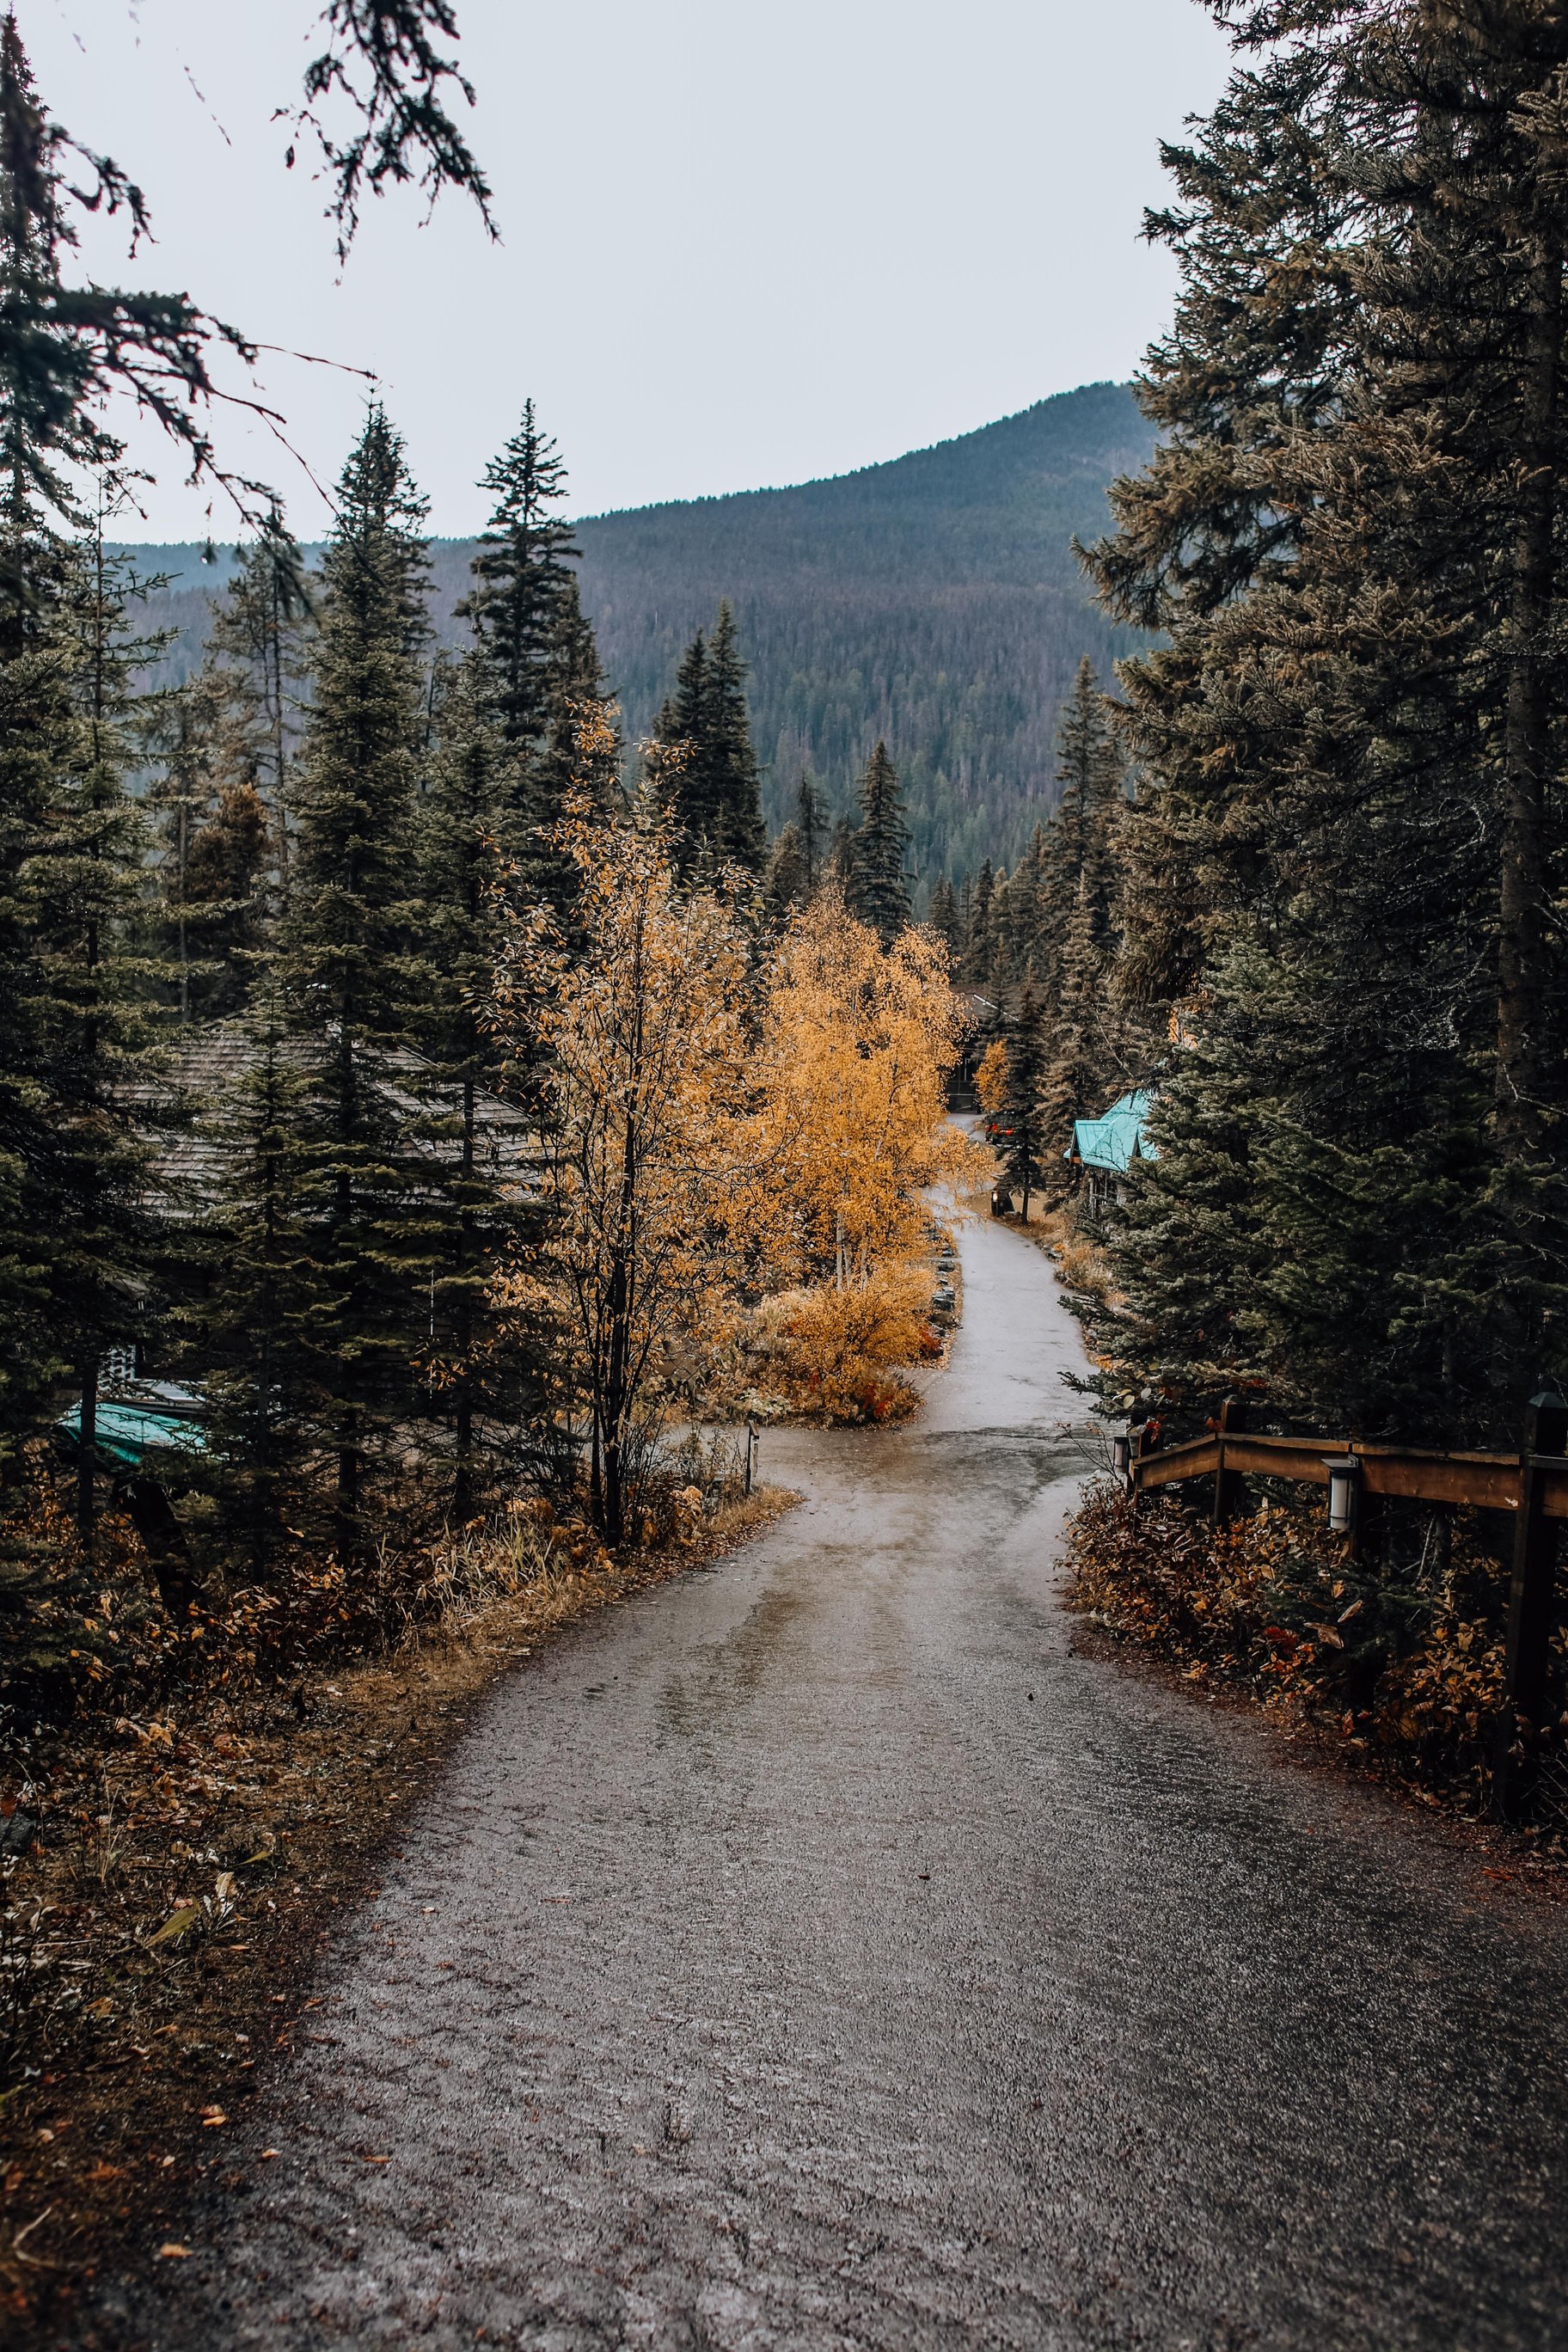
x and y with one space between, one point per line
743 245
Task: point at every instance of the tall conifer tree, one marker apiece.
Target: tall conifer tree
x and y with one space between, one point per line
258 655
347 972
537 663
469 832
1023 1140
1338 869
881 890
718 804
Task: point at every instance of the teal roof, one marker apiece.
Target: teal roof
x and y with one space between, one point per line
128 1432
1113 1141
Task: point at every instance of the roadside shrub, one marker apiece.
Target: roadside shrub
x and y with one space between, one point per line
1400 1655
838 1352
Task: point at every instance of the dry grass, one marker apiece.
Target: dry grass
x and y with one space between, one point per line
158 1944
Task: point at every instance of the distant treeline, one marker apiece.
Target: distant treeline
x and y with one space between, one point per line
933 602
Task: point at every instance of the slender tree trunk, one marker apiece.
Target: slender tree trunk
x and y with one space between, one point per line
87 1455
1522 939
349 1424
623 1279
463 1481
348 1495
184 943
273 659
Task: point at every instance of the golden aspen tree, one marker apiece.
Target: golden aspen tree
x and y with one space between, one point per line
651 1155
858 1041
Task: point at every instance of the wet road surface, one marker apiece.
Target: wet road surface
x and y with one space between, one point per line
816 1953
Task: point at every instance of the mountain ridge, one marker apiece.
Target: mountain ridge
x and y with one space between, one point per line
932 598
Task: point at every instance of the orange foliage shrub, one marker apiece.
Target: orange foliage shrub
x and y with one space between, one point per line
837 1351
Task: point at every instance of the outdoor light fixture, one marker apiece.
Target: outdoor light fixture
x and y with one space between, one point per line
1344 1479
1121 1456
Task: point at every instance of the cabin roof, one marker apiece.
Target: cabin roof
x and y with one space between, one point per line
1116 1139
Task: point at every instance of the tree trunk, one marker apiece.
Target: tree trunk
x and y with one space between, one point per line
1521 934
618 1369
463 1480
87 1455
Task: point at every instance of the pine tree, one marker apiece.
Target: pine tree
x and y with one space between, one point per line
1078 852
69 841
811 825
258 657
739 835
537 665
1078 1076
979 947
841 857
880 892
946 920
346 971
786 886
1345 837
250 1331
522 577
1022 1139
467 839
79 892
717 802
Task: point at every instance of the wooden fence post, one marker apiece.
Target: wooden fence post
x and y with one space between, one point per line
1140 1446
1227 1483
1532 1595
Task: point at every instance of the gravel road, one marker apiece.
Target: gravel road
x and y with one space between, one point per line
816 1953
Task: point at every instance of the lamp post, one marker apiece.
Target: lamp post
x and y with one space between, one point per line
1121 1457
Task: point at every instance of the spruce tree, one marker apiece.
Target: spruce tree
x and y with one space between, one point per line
739 835
537 667
214 849
1345 837
786 886
347 973
945 920
881 890
250 1331
841 857
468 835
1079 1064
258 657
717 794
521 579
1078 852
79 888
1022 1139
811 826
979 948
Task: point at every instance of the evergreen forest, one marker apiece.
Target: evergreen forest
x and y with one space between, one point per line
934 602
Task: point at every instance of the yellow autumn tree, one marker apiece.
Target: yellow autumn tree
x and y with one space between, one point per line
650 1149
991 1077
856 1041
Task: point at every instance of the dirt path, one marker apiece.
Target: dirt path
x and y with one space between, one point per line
817 1953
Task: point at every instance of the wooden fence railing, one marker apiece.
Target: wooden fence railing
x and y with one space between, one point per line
1532 1483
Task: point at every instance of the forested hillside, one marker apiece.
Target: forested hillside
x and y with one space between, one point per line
933 602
